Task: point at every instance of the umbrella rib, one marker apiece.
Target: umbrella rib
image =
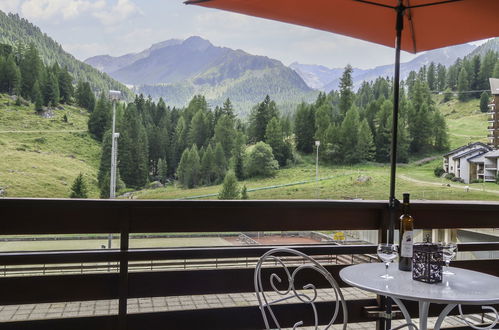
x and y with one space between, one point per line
193 2
363 1
419 6
411 23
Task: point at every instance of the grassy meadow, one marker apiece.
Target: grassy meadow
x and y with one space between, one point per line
42 156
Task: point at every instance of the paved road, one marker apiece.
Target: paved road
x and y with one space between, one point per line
407 178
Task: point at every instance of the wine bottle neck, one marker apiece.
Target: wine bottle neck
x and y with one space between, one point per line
406 208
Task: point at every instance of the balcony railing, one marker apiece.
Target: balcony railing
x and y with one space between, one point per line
37 217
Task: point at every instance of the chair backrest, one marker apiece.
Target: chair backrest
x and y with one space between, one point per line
307 294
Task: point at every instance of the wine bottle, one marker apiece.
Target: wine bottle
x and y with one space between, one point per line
406 237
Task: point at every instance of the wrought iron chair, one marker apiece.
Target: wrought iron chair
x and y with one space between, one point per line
307 294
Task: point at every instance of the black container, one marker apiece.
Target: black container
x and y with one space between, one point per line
427 262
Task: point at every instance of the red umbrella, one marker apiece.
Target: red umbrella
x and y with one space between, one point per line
410 25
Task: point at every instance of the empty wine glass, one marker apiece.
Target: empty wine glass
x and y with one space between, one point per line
449 252
387 252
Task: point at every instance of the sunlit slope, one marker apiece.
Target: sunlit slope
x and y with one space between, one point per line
40 157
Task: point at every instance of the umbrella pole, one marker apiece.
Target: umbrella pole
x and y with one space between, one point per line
393 203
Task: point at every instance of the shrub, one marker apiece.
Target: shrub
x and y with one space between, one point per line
476 181
439 171
457 179
260 161
449 176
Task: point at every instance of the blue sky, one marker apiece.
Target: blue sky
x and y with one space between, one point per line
93 27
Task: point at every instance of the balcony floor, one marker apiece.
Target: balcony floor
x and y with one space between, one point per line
162 304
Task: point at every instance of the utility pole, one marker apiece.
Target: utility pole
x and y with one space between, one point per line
114 97
317 145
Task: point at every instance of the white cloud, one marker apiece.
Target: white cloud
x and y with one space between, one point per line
108 13
55 9
11 6
121 11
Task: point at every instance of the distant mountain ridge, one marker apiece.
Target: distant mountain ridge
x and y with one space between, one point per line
14 29
176 70
315 73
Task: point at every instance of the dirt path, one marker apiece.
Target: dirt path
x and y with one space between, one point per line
48 131
407 178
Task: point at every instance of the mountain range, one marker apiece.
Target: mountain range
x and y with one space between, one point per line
178 69
326 79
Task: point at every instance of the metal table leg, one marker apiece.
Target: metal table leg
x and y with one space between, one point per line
442 315
404 311
423 315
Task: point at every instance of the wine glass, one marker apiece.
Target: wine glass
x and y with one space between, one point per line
387 252
449 252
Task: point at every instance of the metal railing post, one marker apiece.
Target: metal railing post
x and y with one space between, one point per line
123 287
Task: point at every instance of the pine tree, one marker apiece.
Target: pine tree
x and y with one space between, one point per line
441 77
133 149
238 156
183 169
383 133
431 77
487 69
84 96
66 89
225 134
484 102
274 137
495 74
37 96
195 167
365 144
304 128
346 93
10 76
463 85
199 129
162 170
230 187
209 172
79 188
349 134
244 193
105 165
220 162
260 117
100 118
30 67
228 109
440 132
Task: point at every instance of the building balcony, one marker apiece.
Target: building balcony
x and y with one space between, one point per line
128 274
489 178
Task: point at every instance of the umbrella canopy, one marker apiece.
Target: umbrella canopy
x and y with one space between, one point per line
428 24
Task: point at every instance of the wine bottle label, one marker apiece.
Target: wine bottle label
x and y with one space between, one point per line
406 245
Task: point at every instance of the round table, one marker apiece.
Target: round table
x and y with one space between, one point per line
466 287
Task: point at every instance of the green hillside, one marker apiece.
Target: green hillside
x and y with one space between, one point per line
465 121
42 156
14 29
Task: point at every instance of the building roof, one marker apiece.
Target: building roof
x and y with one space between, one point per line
471 145
477 159
494 86
492 154
472 151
